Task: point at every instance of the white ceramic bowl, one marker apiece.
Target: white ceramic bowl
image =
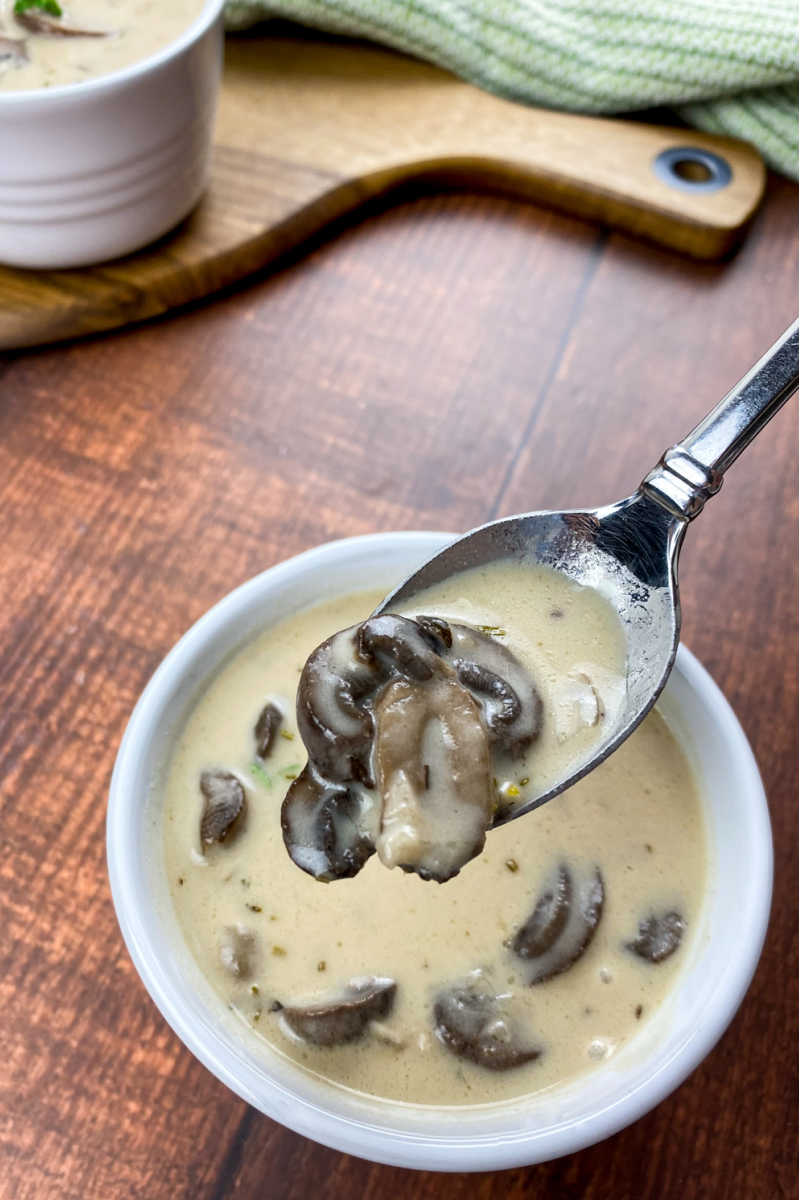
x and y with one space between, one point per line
722 955
94 170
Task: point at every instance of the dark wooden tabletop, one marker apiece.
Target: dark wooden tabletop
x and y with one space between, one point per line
445 361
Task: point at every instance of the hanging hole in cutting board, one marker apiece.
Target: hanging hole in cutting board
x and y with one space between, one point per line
692 169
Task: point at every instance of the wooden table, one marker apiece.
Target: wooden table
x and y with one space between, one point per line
441 363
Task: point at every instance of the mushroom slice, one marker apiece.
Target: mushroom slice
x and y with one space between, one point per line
224 804
327 828
344 1018
13 49
384 699
238 948
577 912
266 728
658 936
432 755
42 22
332 716
400 646
548 919
436 632
577 705
506 705
474 1024
511 704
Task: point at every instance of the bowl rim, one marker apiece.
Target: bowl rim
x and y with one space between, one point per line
375 1142
102 84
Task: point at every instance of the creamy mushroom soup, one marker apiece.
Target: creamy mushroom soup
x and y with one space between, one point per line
542 957
45 44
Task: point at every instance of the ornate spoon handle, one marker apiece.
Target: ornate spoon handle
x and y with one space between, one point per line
691 471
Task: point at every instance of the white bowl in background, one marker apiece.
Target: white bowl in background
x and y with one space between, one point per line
721 957
93 170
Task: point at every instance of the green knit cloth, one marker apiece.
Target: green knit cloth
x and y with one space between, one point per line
726 66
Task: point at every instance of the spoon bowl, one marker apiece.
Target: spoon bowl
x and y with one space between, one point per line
628 551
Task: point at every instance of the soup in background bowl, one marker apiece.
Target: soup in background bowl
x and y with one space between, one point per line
107 147
553 1115
53 44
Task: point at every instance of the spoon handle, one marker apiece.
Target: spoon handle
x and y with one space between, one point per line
690 472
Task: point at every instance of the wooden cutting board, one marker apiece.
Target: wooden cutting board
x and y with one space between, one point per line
308 130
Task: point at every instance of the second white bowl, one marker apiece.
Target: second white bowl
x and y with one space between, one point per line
95 170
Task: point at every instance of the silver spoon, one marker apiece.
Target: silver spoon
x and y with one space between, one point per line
628 551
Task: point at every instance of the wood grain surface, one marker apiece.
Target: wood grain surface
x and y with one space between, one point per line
308 130
448 360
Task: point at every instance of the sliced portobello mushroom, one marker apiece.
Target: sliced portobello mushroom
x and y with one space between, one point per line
266 728
436 631
549 917
35 20
475 1024
658 937
576 705
223 808
332 714
511 704
328 828
13 51
399 646
343 1018
238 951
563 922
434 777
416 706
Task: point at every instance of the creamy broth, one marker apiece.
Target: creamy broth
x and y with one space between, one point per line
567 637
638 818
135 28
